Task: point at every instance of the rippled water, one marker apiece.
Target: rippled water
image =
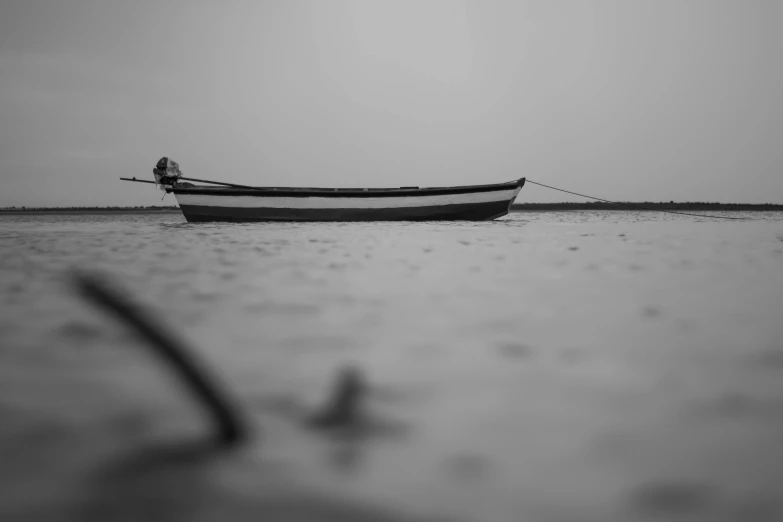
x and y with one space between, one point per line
545 366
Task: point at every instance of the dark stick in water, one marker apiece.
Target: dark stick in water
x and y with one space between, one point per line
231 429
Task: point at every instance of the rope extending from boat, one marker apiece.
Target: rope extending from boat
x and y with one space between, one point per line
638 207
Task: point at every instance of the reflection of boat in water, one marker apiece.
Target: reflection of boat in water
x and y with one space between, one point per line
230 202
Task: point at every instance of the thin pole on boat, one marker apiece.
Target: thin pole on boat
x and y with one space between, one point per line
224 184
138 180
232 185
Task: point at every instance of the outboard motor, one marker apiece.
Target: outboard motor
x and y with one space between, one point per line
166 172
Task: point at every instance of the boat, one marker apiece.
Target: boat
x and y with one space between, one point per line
240 203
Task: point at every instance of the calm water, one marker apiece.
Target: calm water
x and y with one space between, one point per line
546 366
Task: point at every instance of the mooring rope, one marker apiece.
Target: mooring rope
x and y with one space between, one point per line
633 206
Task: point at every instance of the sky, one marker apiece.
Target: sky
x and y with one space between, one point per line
630 100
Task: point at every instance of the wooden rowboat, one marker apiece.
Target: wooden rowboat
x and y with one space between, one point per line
239 203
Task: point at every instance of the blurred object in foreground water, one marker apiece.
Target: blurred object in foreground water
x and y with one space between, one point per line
229 426
57 474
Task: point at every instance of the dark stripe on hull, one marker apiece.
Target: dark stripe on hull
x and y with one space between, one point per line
459 212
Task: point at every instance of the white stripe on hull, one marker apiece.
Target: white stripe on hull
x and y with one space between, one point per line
345 202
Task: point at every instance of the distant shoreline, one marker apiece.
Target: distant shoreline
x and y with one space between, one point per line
697 206
82 211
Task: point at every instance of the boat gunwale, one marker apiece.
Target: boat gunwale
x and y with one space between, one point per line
344 192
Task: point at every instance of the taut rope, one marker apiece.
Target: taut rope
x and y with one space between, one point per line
634 206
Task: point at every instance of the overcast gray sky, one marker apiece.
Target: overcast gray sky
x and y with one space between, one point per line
624 99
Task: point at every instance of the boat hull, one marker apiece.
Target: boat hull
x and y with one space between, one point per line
479 203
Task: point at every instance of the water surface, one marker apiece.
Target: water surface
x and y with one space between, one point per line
545 366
